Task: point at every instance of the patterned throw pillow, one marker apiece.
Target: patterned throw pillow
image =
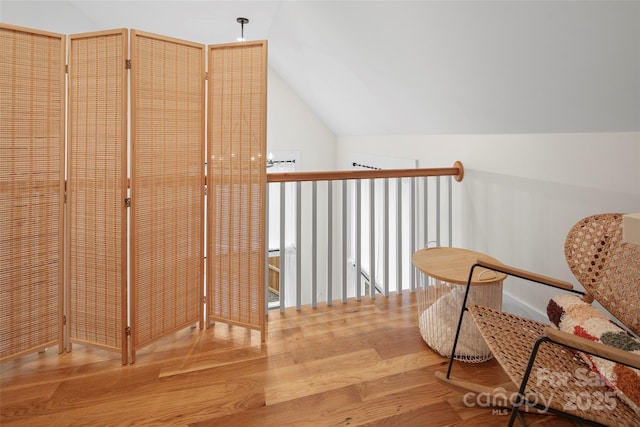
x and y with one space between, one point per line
571 314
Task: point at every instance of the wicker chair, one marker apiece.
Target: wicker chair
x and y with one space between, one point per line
542 361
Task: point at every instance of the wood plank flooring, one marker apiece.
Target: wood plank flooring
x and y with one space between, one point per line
360 363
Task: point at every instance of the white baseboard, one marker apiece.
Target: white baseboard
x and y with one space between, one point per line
513 305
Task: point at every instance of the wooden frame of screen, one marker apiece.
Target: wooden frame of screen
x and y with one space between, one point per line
97 132
151 124
236 273
44 128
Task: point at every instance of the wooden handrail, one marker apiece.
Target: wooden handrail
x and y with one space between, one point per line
457 171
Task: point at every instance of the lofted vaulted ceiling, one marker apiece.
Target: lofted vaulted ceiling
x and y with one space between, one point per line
412 67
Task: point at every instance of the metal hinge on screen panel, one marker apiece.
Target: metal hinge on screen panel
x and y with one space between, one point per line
127 202
127 64
64 320
66 68
206 75
127 331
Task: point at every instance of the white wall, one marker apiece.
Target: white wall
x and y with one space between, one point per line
522 193
292 126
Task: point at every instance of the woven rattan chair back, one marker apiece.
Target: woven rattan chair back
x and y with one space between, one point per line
607 268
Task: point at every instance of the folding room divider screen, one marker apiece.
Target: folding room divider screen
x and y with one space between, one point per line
237 178
32 84
167 185
96 190
108 302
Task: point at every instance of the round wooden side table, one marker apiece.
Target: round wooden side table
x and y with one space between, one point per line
440 295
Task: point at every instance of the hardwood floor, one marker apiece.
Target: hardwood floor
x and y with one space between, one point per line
360 363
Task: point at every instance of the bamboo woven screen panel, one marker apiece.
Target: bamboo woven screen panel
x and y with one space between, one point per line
96 190
167 185
31 189
237 184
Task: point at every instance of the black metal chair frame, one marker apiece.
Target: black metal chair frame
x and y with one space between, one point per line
516 413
